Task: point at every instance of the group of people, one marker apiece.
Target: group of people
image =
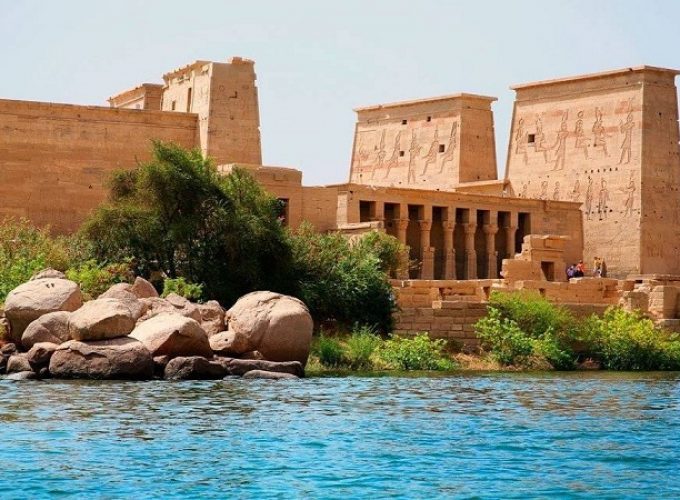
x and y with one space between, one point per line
579 270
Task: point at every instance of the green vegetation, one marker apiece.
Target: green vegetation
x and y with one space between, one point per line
363 350
525 330
182 288
94 279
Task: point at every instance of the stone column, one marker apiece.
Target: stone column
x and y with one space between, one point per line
402 227
449 250
490 231
427 254
470 253
379 215
511 232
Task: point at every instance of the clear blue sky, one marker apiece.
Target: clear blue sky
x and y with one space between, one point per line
316 60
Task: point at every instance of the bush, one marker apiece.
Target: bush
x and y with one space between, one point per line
181 287
329 351
361 345
343 281
25 250
418 353
624 340
94 279
506 341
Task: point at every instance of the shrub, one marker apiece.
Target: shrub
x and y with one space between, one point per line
418 353
329 351
181 287
624 340
346 282
94 279
361 345
502 336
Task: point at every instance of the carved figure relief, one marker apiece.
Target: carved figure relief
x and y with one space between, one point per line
630 197
525 188
603 200
556 191
362 154
451 148
560 144
600 139
575 194
627 130
543 195
414 151
431 156
589 198
521 141
381 154
582 142
540 140
393 161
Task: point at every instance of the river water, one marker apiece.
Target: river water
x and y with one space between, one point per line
575 435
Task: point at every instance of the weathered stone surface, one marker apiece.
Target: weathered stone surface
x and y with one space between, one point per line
243 366
253 374
194 368
212 317
120 358
121 291
48 273
143 289
31 300
39 355
51 327
104 319
229 344
173 335
278 326
18 363
179 305
251 355
26 375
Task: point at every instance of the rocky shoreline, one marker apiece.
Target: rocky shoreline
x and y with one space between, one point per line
131 333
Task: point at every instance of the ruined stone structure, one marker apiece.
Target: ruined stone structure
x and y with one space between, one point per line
593 161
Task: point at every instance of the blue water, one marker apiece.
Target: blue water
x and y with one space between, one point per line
579 435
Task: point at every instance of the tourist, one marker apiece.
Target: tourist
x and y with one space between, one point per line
580 270
597 268
571 271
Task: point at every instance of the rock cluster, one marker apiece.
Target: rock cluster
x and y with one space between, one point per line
129 332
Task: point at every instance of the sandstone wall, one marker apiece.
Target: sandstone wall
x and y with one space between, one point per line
55 158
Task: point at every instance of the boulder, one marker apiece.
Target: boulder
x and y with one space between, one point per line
121 291
243 366
179 305
31 300
269 375
173 335
194 368
251 355
39 355
48 273
18 363
159 364
278 326
212 317
143 289
120 358
21 376
227 343
104 319
6 351
51 327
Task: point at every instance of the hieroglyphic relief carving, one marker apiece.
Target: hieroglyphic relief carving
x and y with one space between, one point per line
521 140
540 145
603 200
451 147
381 154
627 130
560 145
589 198
393 161
524 193
556 191
431 156
414 151
582 142
599 132
362 154
575 194
630 197
543 195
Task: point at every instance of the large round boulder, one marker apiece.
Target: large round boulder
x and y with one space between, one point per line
278 326
228 344
212 317
121 358
173 335
173 303
120 291
51 327
194 368
29 301
104 319
143 289
39 355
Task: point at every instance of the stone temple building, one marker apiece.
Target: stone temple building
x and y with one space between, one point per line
593 160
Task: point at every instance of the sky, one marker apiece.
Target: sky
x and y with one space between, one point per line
317 60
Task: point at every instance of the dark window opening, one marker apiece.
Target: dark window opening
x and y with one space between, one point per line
401 153
532 138
173 105
404 122
441 148
429 118
189 100
366 211
282 210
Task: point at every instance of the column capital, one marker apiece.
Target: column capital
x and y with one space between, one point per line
490 229
425 225
469 228
449 225
511 227
402 223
